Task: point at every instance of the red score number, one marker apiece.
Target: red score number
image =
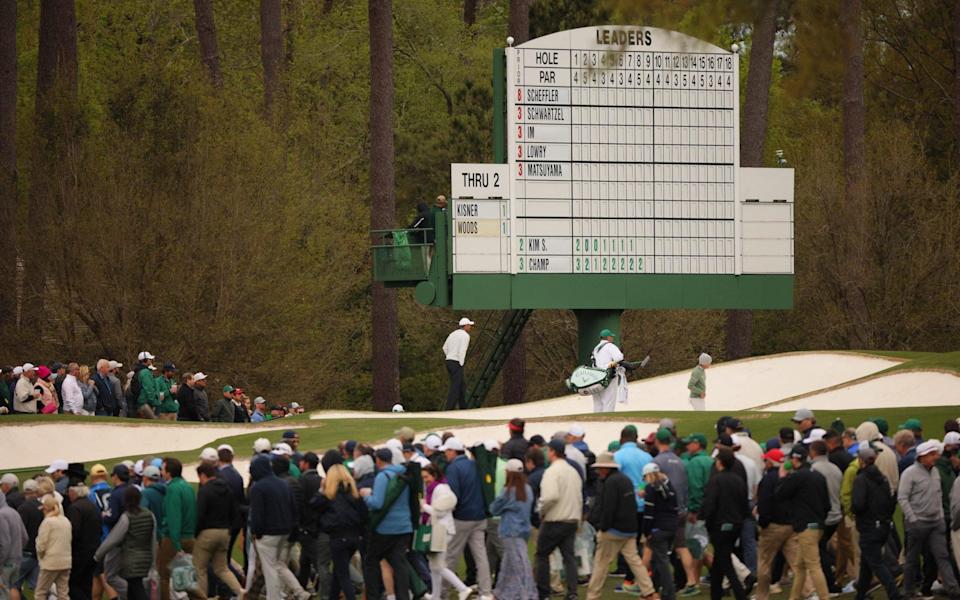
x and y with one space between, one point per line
519 151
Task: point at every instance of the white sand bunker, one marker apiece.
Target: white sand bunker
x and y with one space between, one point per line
909 388
31 444
737 385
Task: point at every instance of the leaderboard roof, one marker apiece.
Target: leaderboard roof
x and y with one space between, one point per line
624 38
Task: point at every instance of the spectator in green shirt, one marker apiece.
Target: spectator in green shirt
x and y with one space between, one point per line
180 512
698 465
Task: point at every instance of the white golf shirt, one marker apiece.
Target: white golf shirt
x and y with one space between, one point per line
455 348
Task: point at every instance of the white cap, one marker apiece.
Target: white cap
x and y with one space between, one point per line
283 449
815 435
576 431
115 365
705 359
9 479
145 356
491 445
433 442
199 376
929 446
138 467
514 465
18 370
651 467
294 405
452 444
209 455
951 438
259 400
398 408
262 445
152 368
28 367
737 439
225 447
58 465
466 321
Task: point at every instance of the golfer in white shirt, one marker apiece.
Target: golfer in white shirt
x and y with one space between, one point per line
606 353
455 351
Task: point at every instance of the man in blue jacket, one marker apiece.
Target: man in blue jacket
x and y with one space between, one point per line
470 515
272 515
390 539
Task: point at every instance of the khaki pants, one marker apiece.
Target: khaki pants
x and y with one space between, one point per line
145 411
808 565
167 416
165 554
48 578
773 538
211 547
608 546
848 565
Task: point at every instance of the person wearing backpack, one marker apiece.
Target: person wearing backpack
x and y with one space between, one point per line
391 526
874 505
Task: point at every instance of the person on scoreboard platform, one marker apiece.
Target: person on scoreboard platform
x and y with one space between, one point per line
698 383
606 354
455 351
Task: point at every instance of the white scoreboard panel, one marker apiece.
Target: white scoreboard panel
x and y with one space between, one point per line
480 213
623 148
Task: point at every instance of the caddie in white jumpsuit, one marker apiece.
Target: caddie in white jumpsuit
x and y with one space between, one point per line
604 353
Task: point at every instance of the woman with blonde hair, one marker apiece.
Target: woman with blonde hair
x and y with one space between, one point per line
343 516
88 389
54 550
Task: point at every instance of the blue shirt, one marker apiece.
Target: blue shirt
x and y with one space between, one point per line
397 520
257 417
632 460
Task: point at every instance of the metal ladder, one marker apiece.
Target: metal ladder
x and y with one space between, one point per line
508 331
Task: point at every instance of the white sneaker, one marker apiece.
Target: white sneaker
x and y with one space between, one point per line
850 588
465 594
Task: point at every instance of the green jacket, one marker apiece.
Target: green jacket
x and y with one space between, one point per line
222 411
168 401
698 472
698 382
180 511
946 482
148 388
846 487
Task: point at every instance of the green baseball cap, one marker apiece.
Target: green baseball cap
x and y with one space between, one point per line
664 435
607 333
881 424
696 437
912 425
227 389
613 446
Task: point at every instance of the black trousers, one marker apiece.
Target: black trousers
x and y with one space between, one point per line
135 589
723 544
315 557
553 535
342 548
457 394
393 549
872 541
81 578
828 559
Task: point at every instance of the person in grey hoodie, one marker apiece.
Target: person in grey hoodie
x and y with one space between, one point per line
13 535
919 495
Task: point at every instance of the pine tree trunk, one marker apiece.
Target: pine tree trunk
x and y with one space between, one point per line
956 80
8 160
469 12
386 372
854 212
57 53
271 49
753 134
515 368
207 35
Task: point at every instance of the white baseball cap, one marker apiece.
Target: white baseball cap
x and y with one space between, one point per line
815 435
9 479
283 449
262 445
18 370
145 356
225 447
514 465
58 465
433 441
115 365
209 454
466 321
491 445
929 446
200 376
452 444
951 438
28 367
577 431
397 408
138 467
651 467
259 400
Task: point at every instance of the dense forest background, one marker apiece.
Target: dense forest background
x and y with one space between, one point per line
193 178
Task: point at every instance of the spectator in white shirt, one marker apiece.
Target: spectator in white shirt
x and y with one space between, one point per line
455 351
72 394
